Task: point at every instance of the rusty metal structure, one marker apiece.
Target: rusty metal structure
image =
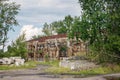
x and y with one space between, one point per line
55 47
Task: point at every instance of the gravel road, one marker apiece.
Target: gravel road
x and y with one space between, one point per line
44 78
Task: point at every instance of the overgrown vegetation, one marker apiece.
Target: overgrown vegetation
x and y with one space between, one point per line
54 63
104 69
95 71
27 65
8 12
18 48
59 27
100 26
55 69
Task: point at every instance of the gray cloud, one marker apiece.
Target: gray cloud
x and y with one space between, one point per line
40 11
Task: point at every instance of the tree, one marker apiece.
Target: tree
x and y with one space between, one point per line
75 28
101 26
59 27
36 36
8 12
68 22
47 29
18 48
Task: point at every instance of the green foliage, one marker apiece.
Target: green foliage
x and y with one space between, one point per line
27 65
54 63
18 48
75 28
40 51
68 21
100 25
47 29
8 12
85 73
46 57
63 48
57 70
59 27
103 69
36 36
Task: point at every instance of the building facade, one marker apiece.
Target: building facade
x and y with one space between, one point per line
54 47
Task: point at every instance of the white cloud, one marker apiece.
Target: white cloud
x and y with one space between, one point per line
30 30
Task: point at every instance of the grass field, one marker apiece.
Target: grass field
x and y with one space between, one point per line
30 64
55 69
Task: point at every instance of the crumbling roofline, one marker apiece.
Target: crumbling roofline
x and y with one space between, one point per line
42 39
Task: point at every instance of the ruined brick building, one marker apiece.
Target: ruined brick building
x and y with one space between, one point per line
55 47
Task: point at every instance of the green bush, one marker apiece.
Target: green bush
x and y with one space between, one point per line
46 57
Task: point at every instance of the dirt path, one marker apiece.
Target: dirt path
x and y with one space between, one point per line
39 74
39 70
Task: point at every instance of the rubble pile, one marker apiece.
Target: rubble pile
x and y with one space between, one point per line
12 60
77 63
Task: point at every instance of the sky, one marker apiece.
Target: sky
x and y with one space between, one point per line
34 13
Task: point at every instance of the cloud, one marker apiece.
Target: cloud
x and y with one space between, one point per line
30 31
38 12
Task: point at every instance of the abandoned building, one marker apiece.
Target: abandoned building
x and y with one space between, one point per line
54 47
